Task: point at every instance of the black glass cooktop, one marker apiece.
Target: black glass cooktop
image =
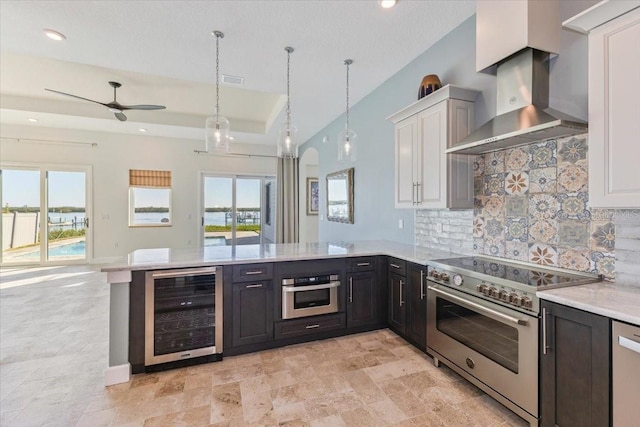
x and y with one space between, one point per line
524 274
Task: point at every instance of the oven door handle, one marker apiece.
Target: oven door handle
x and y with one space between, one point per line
478 307
310 287
184 273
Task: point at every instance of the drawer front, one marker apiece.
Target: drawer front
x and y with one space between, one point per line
252 272
310 325
397 266
361 264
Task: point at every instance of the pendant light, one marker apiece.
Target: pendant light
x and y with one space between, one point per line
347 139
288 134
217 126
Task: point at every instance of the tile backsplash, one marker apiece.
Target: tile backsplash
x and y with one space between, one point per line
531 205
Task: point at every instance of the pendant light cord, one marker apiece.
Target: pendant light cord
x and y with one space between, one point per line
289 50
347 62
218 35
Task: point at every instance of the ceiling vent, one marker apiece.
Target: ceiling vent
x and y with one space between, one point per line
232 80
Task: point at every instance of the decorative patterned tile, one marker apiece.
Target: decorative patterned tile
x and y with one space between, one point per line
572 149
517 159
543 231
478 203
572 178
494 162
516 183
478 245
574 259
573 206
478 226
493 184
494 247
478 186
543 254
543 154
516 206
543 205
478 166
604 263
517 250
573 233
603 236
494 207
494 228
542 180
516 229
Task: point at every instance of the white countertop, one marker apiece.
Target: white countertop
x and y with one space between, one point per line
614 300
162 258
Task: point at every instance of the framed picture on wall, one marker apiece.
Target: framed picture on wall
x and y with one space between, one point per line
313 196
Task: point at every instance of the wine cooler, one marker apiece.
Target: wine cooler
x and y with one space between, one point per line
183 314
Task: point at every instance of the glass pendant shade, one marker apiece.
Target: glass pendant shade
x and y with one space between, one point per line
347 146
288 141
217 134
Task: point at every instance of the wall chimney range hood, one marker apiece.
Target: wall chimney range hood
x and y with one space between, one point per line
523 115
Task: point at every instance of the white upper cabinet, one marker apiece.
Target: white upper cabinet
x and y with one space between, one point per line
614 103
425 176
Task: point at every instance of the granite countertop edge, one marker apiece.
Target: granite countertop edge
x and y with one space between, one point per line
615 300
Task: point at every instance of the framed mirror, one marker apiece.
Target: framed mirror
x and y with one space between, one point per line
340 196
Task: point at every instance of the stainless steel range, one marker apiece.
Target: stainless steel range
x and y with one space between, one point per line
483 321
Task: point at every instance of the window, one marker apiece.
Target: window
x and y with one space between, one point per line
149 198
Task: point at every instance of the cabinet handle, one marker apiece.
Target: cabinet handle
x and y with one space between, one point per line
422 294
413 194
418 200
401 285
312 326
183 303
394 265
363 264
253 273
545 347
350 289
259 285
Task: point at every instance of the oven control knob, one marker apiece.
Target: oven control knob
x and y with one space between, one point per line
515 299
493 292
482 287
435 274
444 277
503 295
457 279
527 302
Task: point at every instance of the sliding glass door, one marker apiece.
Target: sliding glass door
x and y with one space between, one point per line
45 215
236 211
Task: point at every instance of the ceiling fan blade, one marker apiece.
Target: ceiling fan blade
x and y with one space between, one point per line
143 107
120 116
74 96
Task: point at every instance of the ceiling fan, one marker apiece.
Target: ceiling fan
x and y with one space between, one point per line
114 106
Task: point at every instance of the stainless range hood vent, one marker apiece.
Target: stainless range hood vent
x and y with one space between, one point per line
523 113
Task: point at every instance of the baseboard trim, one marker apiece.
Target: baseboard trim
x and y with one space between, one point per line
117 374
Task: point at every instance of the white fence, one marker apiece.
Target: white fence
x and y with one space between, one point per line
19 229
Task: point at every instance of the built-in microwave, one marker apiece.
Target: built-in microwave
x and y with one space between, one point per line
310 296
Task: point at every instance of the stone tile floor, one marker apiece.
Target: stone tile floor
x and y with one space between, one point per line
53 353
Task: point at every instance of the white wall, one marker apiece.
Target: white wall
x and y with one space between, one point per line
308 224
111 160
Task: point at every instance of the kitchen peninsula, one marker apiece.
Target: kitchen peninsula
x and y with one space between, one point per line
122 275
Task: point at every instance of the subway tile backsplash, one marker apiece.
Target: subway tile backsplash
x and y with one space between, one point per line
531 205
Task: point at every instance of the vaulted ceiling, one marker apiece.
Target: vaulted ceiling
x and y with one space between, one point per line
163 53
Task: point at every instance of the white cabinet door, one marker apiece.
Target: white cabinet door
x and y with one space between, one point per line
432 130
614 113
405 173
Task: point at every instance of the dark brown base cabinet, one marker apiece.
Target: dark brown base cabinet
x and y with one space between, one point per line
362 292
408 301
252 313
575 365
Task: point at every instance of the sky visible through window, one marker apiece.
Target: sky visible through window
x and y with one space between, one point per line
22 188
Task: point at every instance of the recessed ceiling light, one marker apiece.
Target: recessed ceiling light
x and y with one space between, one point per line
32 120
386 4
142 130
54 35
232 138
